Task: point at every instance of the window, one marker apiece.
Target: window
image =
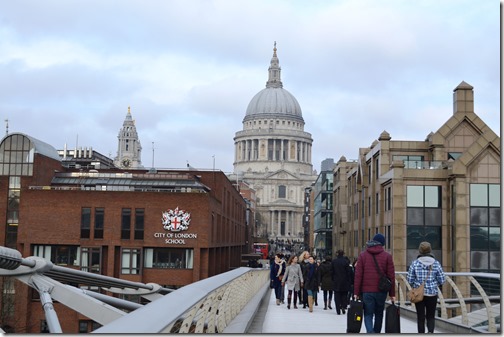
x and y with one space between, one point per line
388 198
139 223
410 161
282 191
454 155
91 259
44 328
377 203
126 223
13 211
60 255
423 205
85 222
423 219
485 230
86 326
130 261
18 152
98 225
168 258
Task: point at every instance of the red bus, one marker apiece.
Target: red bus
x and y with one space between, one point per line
261 248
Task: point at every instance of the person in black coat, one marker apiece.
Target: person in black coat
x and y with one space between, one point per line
277 271
326 282
341 281
311 280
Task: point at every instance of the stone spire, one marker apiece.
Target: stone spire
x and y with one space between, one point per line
274 70
129 151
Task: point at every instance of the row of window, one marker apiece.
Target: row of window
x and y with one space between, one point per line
99 223
90 258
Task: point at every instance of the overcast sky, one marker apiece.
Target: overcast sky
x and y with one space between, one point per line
188 69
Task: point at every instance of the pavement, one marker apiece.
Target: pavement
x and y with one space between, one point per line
278 319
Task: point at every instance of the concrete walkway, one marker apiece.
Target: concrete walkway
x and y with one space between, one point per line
279 319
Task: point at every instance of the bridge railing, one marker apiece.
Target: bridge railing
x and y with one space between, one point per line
223 303
471 300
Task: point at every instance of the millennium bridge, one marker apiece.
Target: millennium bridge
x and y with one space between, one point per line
238 301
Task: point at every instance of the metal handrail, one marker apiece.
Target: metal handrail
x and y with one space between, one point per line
206 306
464 311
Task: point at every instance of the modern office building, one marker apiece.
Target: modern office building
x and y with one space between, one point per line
273 155
167 227
444 189
322 193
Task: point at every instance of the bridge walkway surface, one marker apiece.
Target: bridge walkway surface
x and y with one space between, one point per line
277 319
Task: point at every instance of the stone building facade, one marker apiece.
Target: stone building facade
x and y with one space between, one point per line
273 155
444 189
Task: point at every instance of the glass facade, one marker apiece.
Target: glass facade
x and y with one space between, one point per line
485 231
423 219
323 214
16 156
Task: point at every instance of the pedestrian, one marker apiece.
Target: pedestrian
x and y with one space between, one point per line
311 280
282 288
303 261
277 272
352 278
341 275
426 268
367 277
293 279
326 282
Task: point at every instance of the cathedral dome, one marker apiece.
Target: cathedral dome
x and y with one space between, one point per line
274 101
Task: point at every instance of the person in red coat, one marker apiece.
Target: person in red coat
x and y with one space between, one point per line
366 282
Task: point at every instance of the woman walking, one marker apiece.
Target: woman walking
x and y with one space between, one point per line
311 278
326 283
426 269
303 295
293 278
341 280
277 272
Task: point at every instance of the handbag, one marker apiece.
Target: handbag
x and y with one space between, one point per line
384 283
416 295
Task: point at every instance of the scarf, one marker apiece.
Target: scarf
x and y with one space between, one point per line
280 267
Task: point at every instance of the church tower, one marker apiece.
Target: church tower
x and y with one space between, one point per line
129 151
273 155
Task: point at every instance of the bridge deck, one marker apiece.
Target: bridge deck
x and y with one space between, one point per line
274 318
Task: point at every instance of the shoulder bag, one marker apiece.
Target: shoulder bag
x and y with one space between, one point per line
416 295
384 283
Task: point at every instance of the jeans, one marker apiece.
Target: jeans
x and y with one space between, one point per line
426 309
277 285
374 305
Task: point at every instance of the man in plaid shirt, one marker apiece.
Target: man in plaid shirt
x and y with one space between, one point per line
426 268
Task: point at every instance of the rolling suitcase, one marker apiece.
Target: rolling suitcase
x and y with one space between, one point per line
392 319
355 316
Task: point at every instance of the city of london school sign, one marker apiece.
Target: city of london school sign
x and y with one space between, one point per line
176 221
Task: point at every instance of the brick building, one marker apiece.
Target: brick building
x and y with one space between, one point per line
167 227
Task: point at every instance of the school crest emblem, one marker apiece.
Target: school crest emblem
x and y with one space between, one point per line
176 220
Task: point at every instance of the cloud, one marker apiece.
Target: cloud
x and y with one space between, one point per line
188 69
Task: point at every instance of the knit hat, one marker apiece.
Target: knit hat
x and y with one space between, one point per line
379 238
424 248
